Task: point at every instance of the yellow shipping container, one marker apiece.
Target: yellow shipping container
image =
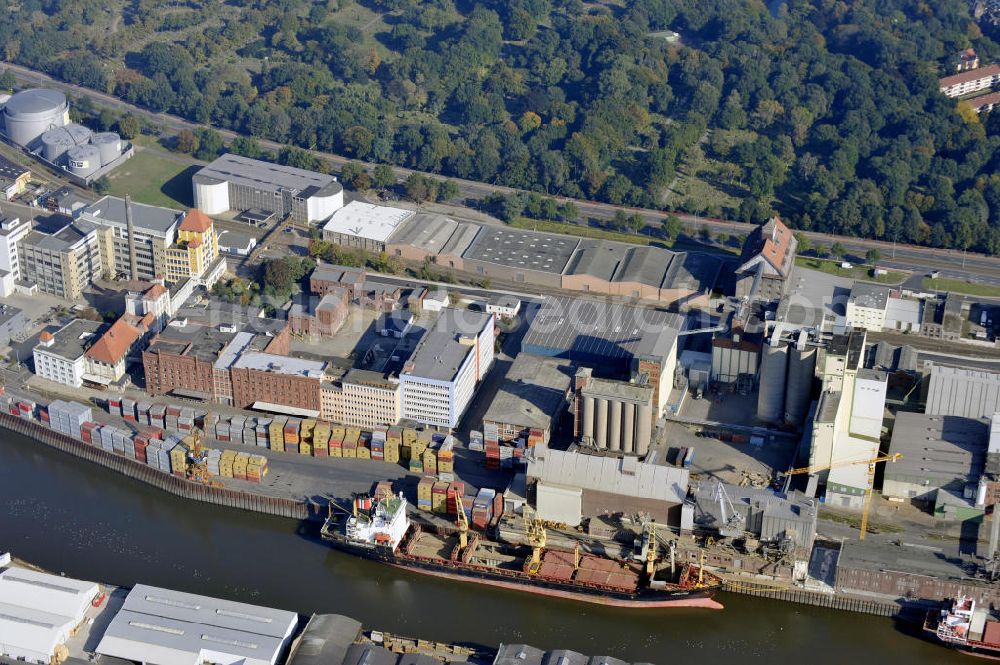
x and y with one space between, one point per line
439 499
306 430
391 451
430 461
425 487
445 466
336 451
305 449
409 435
350 451
364 452
417 449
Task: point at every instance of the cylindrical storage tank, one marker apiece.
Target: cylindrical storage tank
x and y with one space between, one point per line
83 160
30 113
109 144
58 140
801 370
628 427
588 419
211 195
601 424
643 429
771 398
615 426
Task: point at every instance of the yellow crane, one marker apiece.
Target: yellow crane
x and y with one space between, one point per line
537 538
871 479
463 521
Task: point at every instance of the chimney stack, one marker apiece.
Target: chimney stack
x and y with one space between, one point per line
132 266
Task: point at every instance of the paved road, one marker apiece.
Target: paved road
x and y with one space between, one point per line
901 257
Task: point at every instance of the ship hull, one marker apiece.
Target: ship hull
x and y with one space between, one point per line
645 599
977 649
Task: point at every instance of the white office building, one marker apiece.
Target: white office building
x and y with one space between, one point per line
440 378
61 357
12 231
164 627
39 612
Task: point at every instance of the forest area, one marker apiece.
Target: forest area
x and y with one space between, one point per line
825 111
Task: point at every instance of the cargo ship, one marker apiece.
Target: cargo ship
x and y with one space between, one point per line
964 625
379 528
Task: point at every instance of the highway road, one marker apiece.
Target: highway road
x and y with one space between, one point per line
953 263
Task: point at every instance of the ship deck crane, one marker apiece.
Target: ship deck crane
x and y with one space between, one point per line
871 479
537 538
463 521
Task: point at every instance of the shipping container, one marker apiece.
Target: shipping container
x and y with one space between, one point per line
439 497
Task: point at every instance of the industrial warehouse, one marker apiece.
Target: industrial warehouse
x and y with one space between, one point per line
37 121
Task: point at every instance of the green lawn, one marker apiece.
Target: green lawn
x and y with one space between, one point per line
150 178
960 286
548 226
832 267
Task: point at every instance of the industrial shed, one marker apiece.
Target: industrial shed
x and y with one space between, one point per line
326 640
38 612
955 391
767 515
531 398
164 627
570 486
939 452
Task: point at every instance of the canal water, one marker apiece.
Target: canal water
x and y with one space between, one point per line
73 517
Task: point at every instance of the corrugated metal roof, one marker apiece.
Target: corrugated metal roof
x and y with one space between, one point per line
608 474
956 391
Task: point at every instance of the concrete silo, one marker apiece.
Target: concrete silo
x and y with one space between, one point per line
30 113
773 368
801 371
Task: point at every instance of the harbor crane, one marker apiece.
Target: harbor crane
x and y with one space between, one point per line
731 521
871 479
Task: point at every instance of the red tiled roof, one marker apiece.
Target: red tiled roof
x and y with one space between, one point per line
196 222
984 100
971 75
115 343
155 292
46 336
777 243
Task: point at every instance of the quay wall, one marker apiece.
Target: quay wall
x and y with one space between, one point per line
280 507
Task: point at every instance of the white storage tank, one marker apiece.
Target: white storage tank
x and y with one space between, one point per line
30 113
56 141
109 144
83 160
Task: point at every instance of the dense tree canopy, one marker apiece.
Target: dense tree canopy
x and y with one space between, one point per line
825 110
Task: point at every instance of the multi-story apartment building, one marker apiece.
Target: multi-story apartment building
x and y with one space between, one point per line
362 398
233 182
196 249
12 232
62 263
440 378
61 357
154 230
968 82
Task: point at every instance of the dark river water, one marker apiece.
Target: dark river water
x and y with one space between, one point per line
70 516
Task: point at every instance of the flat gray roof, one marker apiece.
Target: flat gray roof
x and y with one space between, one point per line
942 447
526 250
631 392
867 294
427 231
73 339
266 176
63 239
152 218
584 328
270 362
235 239
533 392
10 170
160 621
325 640
439 354
622 476
957 391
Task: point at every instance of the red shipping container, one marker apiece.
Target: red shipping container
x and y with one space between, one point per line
43 413
173 410
497 506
